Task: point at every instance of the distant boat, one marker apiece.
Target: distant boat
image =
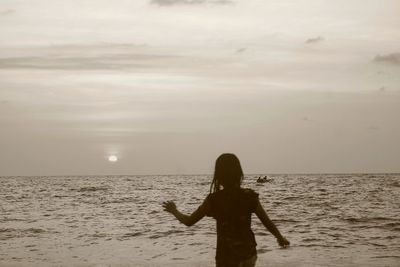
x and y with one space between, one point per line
265 179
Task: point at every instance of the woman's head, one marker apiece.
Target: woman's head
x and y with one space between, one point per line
228 172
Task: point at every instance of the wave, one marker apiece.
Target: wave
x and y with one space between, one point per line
368 219
6 230
322 245
10 233
13 220
93 188
287 221
376 244
135 234
34 230
395 184
311 239
386 256
166 233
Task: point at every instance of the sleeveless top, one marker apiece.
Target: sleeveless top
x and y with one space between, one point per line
232 209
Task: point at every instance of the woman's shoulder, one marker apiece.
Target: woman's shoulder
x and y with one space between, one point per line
249 191
250 195
251 198
242 191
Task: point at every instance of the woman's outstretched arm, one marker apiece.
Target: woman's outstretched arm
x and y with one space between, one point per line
262 215
187 220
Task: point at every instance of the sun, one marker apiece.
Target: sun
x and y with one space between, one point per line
112 158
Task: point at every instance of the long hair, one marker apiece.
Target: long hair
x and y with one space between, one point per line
228 172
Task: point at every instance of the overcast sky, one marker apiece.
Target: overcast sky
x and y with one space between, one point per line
305 86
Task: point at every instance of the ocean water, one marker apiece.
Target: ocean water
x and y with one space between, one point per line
330 220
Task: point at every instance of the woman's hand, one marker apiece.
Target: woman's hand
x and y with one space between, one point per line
283 242
169 206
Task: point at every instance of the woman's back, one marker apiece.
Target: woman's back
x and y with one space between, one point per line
232 209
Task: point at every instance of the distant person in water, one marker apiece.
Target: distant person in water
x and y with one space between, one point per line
232 207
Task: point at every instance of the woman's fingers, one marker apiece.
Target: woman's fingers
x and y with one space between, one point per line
283 242
168 205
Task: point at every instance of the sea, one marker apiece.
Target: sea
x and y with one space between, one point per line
329 219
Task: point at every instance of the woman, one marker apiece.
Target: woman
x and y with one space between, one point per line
232 207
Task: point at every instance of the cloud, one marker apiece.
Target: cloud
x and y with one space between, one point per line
7 12
393 58
108 57
112 62
190 2
315 40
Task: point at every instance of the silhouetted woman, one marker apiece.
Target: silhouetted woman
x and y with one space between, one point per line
232 208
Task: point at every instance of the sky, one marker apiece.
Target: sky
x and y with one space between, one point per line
307 86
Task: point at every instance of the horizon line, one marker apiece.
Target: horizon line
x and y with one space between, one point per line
208 174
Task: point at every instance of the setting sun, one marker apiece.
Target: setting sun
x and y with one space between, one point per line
112 158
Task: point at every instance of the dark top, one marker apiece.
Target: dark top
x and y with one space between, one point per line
232 209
